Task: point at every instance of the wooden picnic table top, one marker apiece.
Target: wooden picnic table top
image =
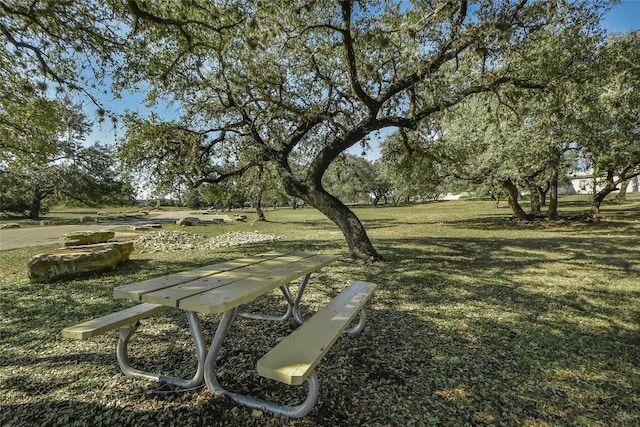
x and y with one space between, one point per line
220 287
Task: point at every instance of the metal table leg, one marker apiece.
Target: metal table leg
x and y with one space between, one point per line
196 332
359 327
259 316
292 305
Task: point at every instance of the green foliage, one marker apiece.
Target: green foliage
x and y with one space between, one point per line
265 81
31 128
615 137
586 117
92 178
37 136
43 160
13 197
350 178
291 85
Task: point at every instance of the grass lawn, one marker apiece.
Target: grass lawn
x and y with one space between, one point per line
478 320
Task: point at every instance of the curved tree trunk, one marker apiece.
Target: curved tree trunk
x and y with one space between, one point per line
597 201
552 212
542 194
512 191
360 246
599 195
313 194
622 192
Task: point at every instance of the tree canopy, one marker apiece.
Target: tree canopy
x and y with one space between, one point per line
611 115
584 119
292 84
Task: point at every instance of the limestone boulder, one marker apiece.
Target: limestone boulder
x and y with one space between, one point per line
145 227
75 261
9 225
86 237
187 221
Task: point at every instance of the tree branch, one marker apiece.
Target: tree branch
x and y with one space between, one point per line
471 90
139 13
347 41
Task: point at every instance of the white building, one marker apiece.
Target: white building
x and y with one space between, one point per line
583 183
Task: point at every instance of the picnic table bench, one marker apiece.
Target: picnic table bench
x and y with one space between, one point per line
223 288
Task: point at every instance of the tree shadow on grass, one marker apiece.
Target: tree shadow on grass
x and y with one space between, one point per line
570 347
324 224
620 220
459 332
171 409
407 367
484 331
85 394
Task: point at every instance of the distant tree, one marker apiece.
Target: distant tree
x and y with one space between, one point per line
36 136
555 118
350 178
382 187
191 198
521 140
92 177
43 160
262 189
27 191
13 198
412 162
611 112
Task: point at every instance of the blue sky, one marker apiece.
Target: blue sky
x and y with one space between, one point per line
623 18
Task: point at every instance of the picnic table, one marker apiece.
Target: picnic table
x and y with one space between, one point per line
223 289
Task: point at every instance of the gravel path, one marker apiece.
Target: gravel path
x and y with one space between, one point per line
16 238
165 240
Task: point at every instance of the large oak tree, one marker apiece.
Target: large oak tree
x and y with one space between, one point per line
293 84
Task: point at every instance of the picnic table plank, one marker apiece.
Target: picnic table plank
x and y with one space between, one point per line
221 299
111 321
172 296
135 291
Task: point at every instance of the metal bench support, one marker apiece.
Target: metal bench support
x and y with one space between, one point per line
212 382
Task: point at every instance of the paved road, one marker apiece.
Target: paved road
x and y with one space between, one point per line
14 238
